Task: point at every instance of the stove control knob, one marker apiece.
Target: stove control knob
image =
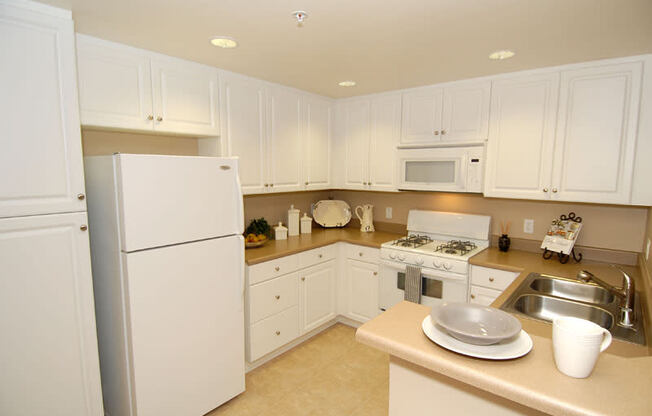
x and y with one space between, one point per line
436 264
401 257
392 256
447 266
419 261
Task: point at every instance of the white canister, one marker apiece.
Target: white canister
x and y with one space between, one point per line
306 224
280 232
293 221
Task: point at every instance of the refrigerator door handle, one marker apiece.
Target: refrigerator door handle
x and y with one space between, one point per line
241 265
239 197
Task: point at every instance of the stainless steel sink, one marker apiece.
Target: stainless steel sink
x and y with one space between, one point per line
544 297
568 289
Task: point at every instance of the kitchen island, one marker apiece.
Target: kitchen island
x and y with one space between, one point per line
425 377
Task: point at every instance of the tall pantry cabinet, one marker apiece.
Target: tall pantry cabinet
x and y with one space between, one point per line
48 355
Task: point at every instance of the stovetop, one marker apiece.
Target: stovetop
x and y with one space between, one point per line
425 245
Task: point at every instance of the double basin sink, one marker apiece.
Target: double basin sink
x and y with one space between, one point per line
544 297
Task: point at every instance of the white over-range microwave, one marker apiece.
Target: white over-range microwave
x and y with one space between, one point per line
448 169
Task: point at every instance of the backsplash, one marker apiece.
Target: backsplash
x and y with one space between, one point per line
274 207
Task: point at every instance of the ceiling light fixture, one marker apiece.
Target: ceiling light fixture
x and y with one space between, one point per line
503 54
300 16
347 84
224 42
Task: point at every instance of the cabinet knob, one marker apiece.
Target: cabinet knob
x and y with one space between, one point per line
472 296
303 279
277 268
307 183
375 273
271 185
360 254
150 117
83 227
81 197
320 256
443 132
277 297
545 189
554 190
436 132
278 332
266 185
491 279
159 118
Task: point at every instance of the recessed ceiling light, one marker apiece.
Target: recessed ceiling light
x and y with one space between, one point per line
224 42
500 55
347 84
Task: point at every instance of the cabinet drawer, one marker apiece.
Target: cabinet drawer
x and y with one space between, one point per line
317 255
483 296
362 253
273 268
273 332
492 278
273 296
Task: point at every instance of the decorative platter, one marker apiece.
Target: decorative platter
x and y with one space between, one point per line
331 213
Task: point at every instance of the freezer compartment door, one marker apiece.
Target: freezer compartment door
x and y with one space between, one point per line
186 325
166 200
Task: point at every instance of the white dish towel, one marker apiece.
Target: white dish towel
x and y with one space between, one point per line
413 284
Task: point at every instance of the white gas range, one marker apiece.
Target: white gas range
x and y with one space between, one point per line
440 243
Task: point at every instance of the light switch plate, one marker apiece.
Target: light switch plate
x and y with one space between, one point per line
528 226
388 213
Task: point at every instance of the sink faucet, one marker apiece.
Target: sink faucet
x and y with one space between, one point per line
626 294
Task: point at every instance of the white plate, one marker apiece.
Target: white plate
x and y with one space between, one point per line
331 213
504 350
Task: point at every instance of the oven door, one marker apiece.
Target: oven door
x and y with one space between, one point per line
436 286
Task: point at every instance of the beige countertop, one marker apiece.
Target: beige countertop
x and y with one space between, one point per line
318 238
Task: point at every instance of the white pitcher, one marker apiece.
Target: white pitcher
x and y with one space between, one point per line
367 217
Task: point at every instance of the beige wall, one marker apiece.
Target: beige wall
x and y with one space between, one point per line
274 207
605 226
96 142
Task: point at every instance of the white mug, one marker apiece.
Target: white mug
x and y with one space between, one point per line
577 343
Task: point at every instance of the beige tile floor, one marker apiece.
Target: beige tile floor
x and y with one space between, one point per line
330 374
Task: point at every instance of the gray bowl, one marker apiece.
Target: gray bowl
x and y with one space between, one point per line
476 324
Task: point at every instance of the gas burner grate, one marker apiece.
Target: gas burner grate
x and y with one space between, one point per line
412 241
456 247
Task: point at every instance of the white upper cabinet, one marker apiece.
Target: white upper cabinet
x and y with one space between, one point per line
438 115
385 136
521 136
41 157
356 143
243 128
185 97
126 88
284 139
115 88
317 142
596 133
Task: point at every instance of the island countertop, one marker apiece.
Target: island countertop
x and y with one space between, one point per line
618 385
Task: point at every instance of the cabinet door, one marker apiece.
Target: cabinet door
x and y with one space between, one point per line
466 112
41 157
317 139
385 135
185 97
596 134
285 147
521 137
362 293
115 87
356 142
242 108
422 116
317 294
49 353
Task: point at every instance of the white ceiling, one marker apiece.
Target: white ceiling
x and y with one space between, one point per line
381 44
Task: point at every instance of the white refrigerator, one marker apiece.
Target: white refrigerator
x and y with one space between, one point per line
168 271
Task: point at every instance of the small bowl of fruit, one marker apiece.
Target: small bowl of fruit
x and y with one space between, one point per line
257 233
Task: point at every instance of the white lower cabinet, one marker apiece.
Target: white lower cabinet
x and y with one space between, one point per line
271 333
487 284
361 290
49 357
317 295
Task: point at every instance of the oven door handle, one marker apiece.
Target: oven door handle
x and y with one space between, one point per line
426 272
394 265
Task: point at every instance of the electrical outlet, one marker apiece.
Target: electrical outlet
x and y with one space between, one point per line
647 250
388 213
528 226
